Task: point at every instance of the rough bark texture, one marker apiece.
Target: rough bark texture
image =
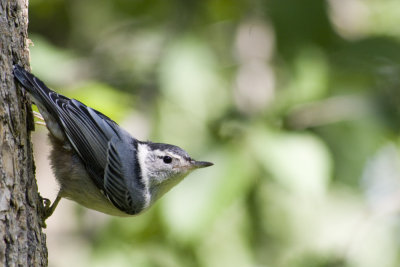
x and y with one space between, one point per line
22 242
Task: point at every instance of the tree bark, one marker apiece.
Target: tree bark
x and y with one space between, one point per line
22 242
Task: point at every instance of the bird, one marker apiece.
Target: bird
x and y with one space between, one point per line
97 163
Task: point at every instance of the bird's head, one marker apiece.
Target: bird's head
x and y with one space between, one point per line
163 166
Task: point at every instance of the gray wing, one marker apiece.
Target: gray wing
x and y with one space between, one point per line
89 132
124 189
97 140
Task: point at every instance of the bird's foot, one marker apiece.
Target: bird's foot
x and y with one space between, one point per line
49 208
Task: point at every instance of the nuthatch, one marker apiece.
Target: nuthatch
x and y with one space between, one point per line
97 163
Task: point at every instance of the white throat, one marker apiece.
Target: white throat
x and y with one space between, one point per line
143 151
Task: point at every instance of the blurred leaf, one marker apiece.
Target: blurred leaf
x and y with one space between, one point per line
190 80
52 64
308 158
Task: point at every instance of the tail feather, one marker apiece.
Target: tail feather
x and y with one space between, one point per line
44 99
43 95
35 86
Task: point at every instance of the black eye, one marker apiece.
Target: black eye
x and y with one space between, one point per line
167 159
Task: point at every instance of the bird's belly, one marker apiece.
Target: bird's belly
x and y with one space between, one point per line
88 195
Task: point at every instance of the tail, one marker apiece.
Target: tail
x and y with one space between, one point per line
45 99
42 95
34 86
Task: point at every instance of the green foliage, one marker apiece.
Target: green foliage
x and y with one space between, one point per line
296 102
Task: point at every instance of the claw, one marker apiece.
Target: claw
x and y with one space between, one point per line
46 202
38 115
40 123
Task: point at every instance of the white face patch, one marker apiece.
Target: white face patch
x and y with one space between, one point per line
143 151
160 176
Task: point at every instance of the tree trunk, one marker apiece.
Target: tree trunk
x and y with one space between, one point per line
22 242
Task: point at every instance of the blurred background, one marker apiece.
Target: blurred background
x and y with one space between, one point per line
296 102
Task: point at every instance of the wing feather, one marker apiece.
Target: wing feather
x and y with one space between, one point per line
128 194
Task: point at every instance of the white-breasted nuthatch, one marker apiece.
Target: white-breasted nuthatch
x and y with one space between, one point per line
97 163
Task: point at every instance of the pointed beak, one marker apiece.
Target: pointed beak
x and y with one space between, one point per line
200 164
